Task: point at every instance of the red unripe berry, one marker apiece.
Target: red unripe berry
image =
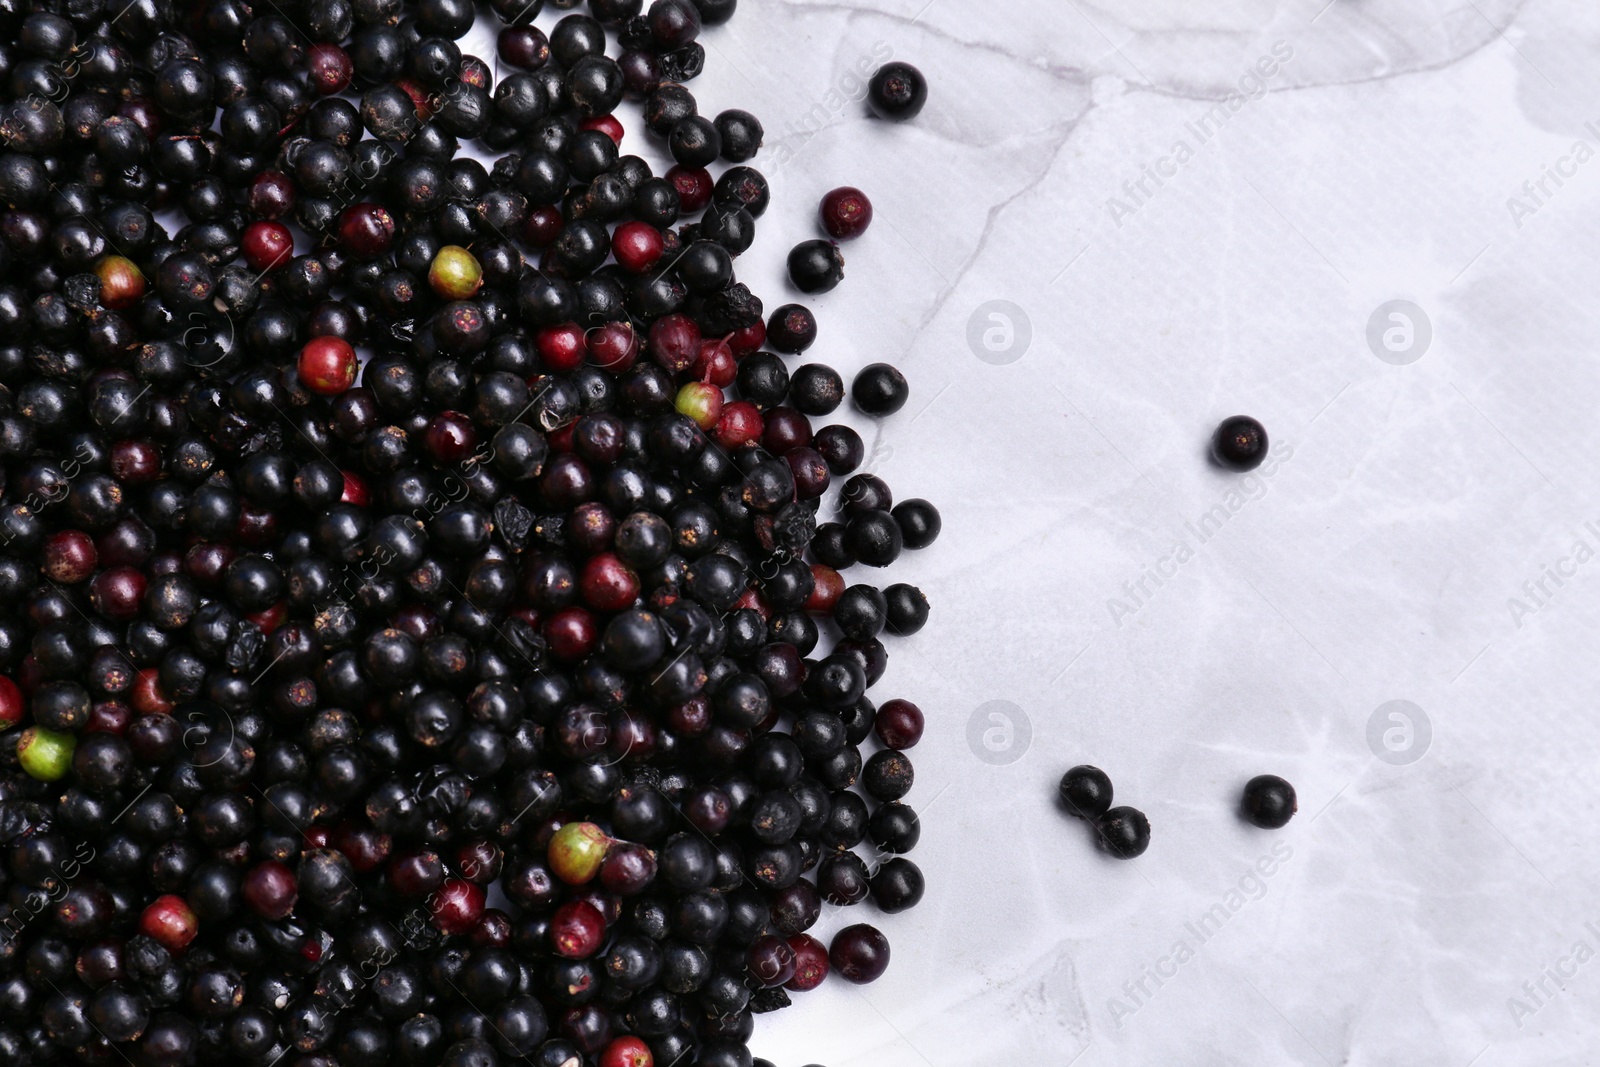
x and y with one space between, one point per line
606 124
69 556
741 424
637 246
135 462
148 696
675 342
787 429
753 600
270 889
169 921
810 963
328 366
105 717
694 187
745 341
571 633
560 440
355 490
627 1051
628 869
416 874
269 619
716 363
829 584
456 907
366 230
450 437
11 705
846 212
117 593
608 584
577 930
561 347
121 284
364 847
421 101
613 347
898 724
267 245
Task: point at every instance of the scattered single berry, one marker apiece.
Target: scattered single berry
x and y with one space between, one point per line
1269 801
846 213
1240 443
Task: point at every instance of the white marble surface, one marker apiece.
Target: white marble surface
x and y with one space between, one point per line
1409 504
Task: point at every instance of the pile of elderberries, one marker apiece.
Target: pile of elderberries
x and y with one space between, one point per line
423 637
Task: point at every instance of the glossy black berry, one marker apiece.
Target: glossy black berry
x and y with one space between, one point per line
897 91
1123 832
741 135
907 607
879 389
897 885
816 266
1268 802
919 522
1086 791
894 827
816 389
874 538
1240 443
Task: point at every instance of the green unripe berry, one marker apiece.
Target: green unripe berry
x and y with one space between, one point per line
45 754
576 852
